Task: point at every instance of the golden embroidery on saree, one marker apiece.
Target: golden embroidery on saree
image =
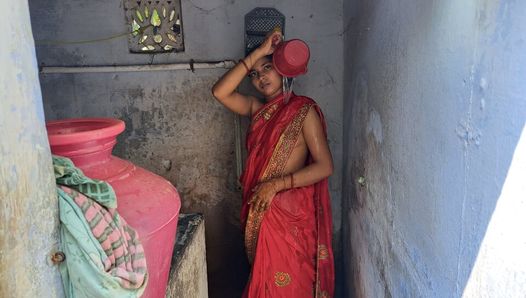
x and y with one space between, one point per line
323 252
318 293
274 169
282 279
266 112
285 145
251 232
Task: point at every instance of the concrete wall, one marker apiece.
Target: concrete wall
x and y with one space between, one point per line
188 276
28 200
174 127
435 103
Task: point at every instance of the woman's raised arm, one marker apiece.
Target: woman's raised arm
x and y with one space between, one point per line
224 88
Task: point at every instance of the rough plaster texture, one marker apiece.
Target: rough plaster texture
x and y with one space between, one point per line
174 126
435 97
28 201
188 270
177 132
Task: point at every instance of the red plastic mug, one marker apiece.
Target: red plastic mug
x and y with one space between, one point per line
291 57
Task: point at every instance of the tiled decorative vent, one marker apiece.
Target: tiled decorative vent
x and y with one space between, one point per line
259 22
155 26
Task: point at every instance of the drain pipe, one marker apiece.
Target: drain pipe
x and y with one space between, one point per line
239 157
227 64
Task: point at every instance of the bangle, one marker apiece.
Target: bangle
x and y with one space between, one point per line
244 64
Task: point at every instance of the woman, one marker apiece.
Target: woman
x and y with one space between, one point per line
286 207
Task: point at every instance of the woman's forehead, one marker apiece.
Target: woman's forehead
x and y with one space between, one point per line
261 61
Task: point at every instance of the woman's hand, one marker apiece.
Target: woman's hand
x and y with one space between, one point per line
270 43
263 195
224 89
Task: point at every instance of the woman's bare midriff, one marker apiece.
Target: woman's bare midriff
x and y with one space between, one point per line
298 157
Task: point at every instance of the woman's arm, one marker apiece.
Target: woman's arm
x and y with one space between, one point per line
320 168
224 88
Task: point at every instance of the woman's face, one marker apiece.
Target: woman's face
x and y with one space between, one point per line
265 78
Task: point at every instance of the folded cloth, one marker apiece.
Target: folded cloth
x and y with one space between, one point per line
104 257
67 174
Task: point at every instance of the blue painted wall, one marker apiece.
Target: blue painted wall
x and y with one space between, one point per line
434 110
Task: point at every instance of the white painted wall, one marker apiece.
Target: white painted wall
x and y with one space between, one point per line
435 104
28 200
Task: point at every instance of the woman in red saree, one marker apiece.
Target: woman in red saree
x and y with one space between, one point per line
286 211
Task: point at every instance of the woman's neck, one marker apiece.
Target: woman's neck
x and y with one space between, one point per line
272 97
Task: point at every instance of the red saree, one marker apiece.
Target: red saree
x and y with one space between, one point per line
289 245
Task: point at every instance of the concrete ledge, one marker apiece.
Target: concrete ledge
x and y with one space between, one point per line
188 277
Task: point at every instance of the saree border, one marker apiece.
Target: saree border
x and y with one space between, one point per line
274 169
271 105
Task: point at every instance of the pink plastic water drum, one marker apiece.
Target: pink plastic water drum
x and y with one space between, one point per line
291 57
149 203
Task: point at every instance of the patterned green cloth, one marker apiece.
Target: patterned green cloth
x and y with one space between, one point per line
67 174
88 271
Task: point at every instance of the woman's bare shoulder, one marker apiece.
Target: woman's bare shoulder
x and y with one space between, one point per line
256 104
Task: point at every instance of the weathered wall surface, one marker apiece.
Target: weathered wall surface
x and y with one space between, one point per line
178 132
174 126
188 269
28 201
435 97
